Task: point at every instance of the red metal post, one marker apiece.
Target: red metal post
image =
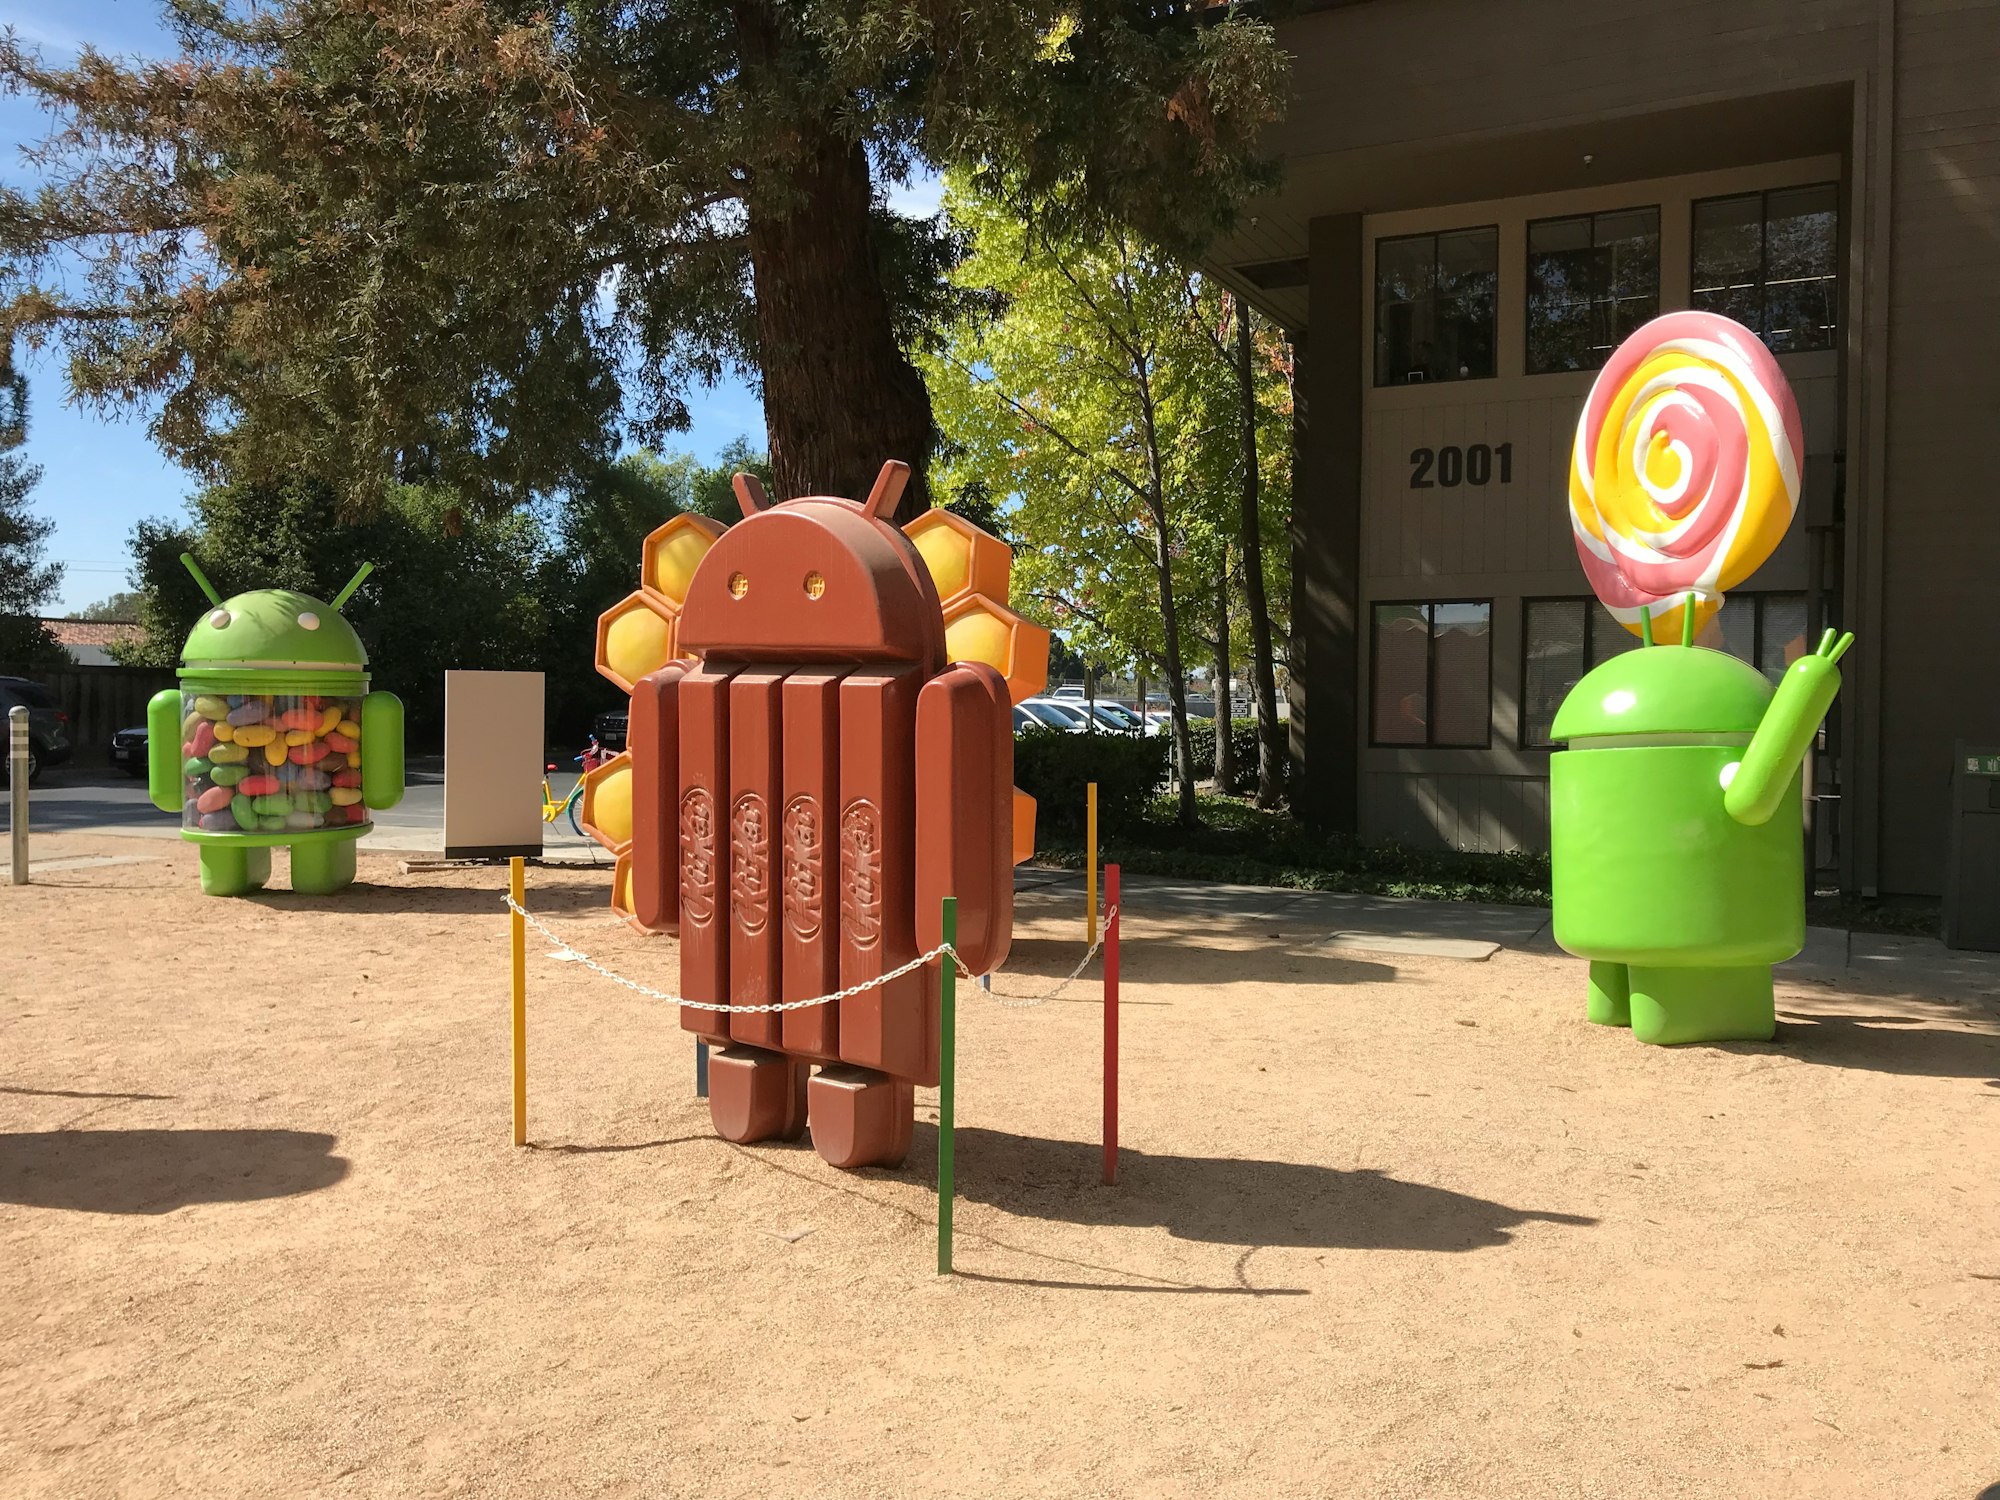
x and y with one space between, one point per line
1111 1025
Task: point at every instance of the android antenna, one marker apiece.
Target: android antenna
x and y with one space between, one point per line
1687 622
352 584
188 562
1840 647
1646 624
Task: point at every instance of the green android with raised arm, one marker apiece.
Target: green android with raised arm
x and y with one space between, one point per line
274 738
1676 833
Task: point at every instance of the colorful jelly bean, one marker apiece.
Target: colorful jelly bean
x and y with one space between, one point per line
258 785
218 822
211 708
273 804
311 778
255 734
204 738
229 755
329 721
215 799
298 822
228 775
275 823
244 811
275 753
347 778
345 796
196 766
345 744
253 712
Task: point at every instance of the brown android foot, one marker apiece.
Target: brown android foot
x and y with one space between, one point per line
754 1095
860 1118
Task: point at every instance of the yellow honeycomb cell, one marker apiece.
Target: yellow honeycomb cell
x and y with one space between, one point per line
1024 827
636 636
607 803
962 559
673 553
621 886
977 629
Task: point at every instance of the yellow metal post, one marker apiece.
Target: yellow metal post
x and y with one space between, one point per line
1090 862
516 883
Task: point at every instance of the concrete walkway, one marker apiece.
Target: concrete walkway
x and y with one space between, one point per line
1475 931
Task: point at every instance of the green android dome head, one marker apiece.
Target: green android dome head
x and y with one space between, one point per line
1661 691
278 635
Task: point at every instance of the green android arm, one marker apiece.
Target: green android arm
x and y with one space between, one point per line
1671 870
273 738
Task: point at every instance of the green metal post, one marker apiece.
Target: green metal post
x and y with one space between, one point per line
947 1059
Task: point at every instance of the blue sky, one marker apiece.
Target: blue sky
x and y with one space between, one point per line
101 474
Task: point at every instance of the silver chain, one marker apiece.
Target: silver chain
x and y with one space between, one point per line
569 951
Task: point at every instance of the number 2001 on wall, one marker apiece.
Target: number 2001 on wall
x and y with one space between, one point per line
1448 468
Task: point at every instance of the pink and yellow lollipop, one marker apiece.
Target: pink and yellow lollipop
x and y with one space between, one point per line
1685 472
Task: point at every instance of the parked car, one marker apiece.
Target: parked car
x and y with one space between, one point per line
48 725
128 751
609 729
1054 715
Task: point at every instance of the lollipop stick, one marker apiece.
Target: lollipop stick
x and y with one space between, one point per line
1646 624
1687 621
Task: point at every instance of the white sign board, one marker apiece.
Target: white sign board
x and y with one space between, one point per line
492 764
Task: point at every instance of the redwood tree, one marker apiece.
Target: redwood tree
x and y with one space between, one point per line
479 242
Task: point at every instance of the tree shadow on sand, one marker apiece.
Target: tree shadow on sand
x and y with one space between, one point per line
1227 1201
158 1171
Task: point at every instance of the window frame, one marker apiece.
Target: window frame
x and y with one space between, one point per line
1375 307
1591 215
1590 617
1754 597
1763 197
1430 674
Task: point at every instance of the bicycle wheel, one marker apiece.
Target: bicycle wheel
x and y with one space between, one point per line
575 819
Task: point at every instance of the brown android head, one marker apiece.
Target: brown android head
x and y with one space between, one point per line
813 580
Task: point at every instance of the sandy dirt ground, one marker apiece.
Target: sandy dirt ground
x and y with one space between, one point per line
1386 1227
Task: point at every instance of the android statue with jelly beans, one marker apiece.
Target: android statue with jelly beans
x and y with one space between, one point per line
273 738
1677 859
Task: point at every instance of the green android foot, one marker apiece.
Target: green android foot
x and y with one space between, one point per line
322 866
232 870
1610 995
1703 1005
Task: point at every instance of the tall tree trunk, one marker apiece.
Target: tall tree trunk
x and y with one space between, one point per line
1271 751
1171 667
839 397
1225 748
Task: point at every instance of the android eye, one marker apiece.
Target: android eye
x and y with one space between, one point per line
738 585
815 584
308 621
219 619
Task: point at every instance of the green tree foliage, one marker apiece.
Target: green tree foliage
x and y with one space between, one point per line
123 604
1101 405
28 580
459 244
451 588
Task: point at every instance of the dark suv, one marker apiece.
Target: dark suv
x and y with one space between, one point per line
48 725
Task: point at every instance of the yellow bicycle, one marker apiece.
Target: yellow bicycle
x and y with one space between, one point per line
553 807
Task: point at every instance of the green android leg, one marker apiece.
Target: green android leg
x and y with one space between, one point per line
1610 995
233 869
322 866
1703 1005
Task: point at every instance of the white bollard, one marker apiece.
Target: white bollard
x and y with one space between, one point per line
17 781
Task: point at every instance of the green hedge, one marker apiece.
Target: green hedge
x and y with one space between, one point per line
1054 766
1243 740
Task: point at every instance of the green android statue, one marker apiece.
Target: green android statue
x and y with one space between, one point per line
1675 835
274 738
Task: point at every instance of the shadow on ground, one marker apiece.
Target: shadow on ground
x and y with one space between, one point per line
1154 959
365 899
158 1171
1882 1044
1225 1201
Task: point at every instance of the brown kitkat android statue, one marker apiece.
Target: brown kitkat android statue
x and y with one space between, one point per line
820 750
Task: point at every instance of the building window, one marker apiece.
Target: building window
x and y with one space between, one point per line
1592 279
1433 673
1434 306
1770 261
1766 630
1561 639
